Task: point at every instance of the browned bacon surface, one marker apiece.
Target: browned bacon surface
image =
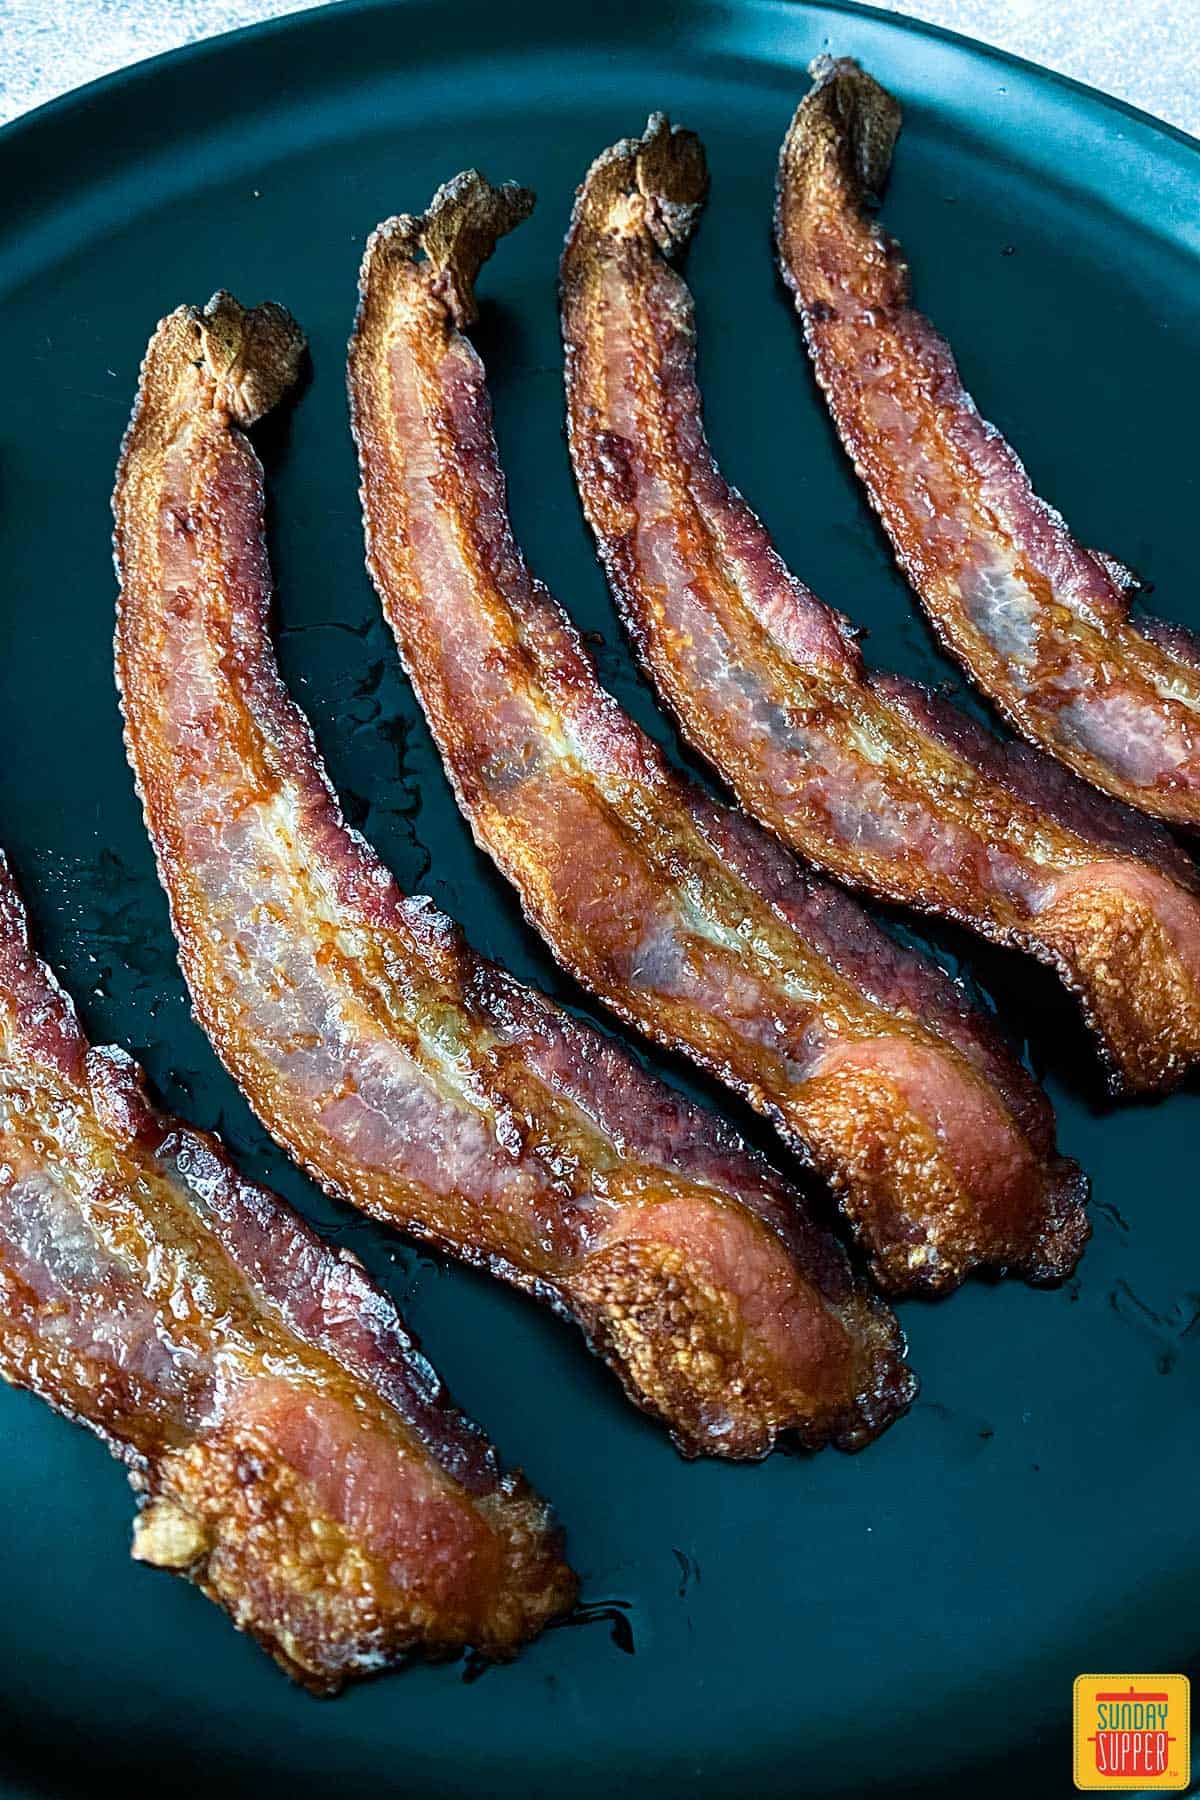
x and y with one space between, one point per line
294 1453
1041 624
688 921
864 773
412 1078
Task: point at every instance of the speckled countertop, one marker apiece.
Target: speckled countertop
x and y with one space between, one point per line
1145 51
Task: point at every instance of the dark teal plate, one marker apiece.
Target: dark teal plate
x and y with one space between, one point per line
907 1621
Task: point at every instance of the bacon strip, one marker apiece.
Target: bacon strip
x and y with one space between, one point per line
294 1453
865 774
688 921
1041 624
409 1076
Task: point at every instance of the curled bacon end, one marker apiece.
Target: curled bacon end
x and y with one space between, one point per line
294 1453
869 776
1040 623
409 1076
688 921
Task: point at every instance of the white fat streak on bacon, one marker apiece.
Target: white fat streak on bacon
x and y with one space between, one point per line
1004 561
1039 621
90 1302
712 628
529 721
351 1015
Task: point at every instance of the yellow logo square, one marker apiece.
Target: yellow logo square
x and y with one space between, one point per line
1132 1733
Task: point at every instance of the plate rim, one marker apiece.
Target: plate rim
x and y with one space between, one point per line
147 69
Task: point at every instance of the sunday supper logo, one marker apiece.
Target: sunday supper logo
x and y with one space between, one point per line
1132 1732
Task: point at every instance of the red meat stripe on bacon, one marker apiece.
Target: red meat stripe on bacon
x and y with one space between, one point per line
688 921
409 1076
295 1455
1040 623
865 774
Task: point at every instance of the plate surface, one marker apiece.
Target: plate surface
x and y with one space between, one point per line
909 1620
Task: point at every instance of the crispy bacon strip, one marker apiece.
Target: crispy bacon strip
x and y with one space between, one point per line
411 1077
687 920
294 1453
1039 622
868 775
